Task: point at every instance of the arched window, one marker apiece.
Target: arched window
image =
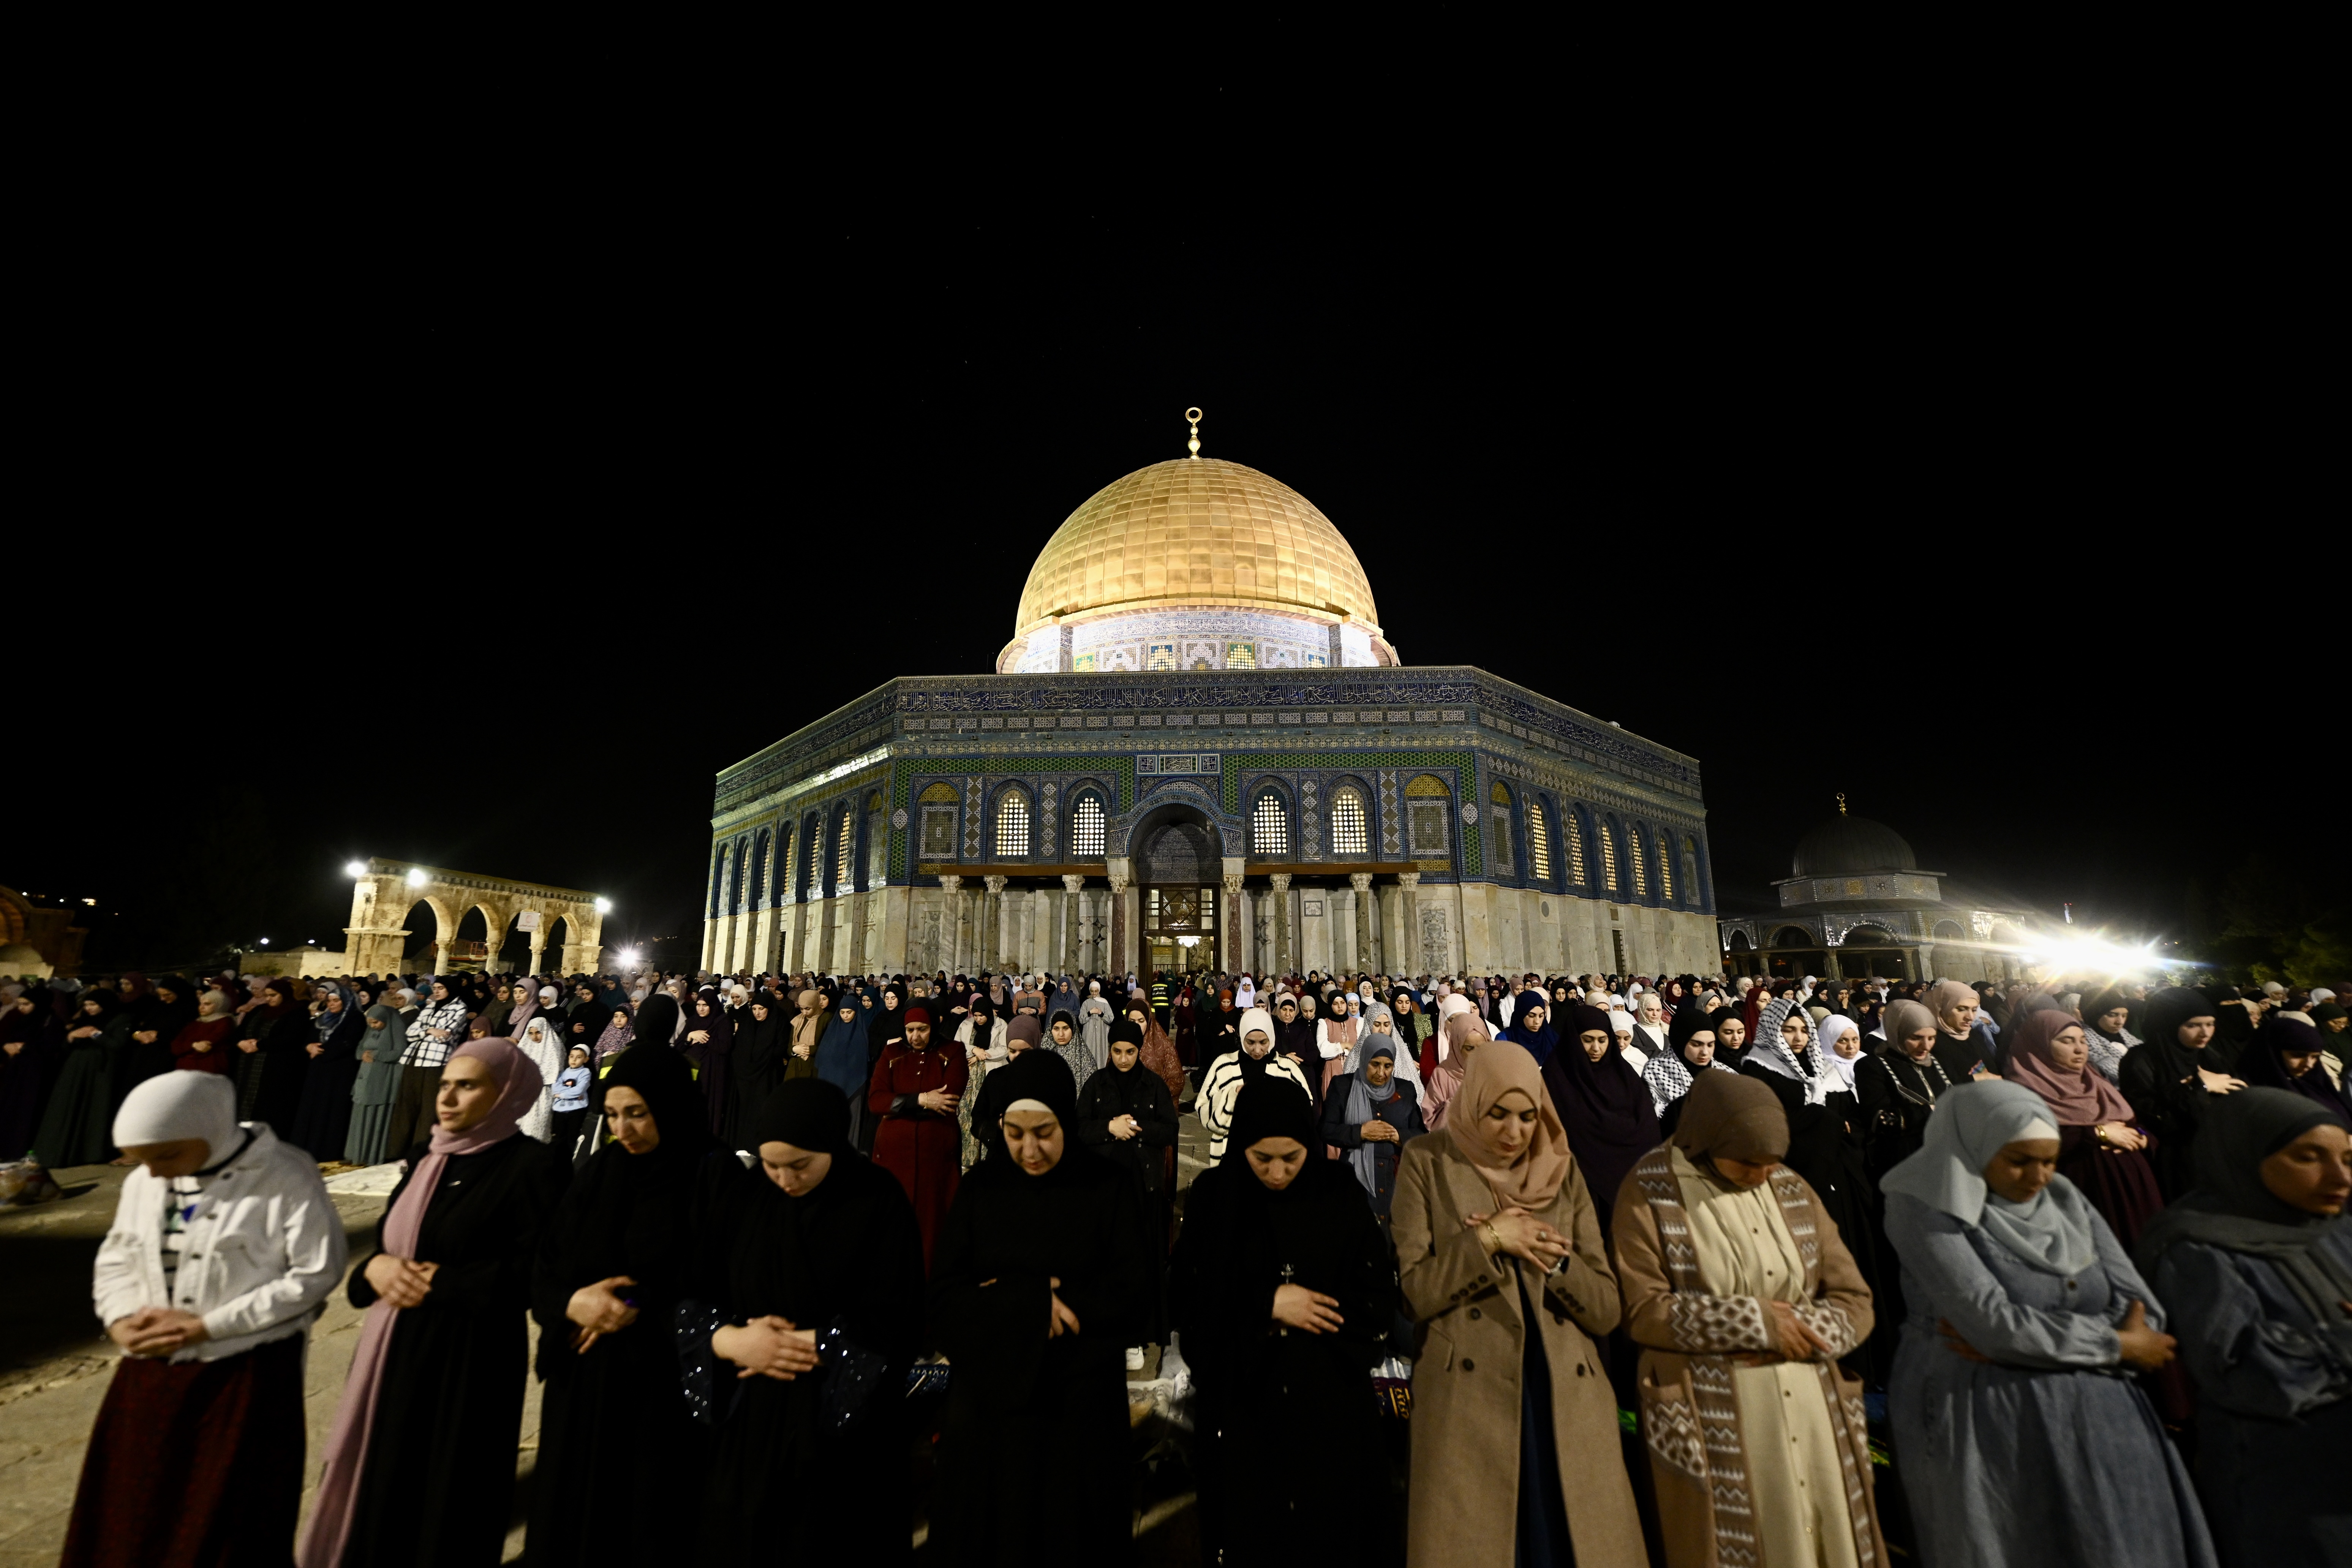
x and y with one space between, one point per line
938 807
1350 833
760 871
1608 857
1269 827
845 832
1086 827
1572 822
734 879
1691 884
783 865
1012 825
1635 852
1666 867
1539 842
1498 828
1426 810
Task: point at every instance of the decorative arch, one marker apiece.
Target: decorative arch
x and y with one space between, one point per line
1270 820
1539 865
1428 807
1606 833
761 852
1351 818
1949 930
1011 819
1795 936
806 883
1694 879
936 811
877 842
1089 821
1637 859
841 841
1575 834
782 882
719 878
1739 943
1499 831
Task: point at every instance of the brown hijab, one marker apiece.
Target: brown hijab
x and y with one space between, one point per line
2083 1097
1533 1179
1732 1115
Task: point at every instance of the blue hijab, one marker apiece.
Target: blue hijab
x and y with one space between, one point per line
1540 1043
841 1058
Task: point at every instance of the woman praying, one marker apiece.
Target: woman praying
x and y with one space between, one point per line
1506 1277
382 1033
1041 1281
1126 1116
708 1044
2256 1264
202 1045
843 1059
1743 1298
1604 1107
2170 1080
1283 1289
805 1310
1691 1049
225 1245
2100 1152
435 1391
605 1290
914 1094
1369 1119
2023 1309
2289 1054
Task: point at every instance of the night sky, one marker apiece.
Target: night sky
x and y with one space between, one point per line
491 556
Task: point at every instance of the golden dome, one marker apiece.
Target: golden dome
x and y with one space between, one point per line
1196 531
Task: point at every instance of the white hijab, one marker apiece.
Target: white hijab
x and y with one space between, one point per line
172 1106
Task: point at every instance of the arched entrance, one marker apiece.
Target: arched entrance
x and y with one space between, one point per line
1179 866
1870 949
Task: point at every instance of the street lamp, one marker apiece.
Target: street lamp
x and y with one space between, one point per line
603 906
356 869
416 879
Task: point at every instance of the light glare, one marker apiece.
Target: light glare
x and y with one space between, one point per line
416 879
603 906
356 869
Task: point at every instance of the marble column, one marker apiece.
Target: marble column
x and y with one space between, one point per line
991 925
1361 949
950 925
1231 953
1407 956
1116 961
1282 961
1073 903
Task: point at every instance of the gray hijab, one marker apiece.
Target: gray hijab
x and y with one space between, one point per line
2233 1210
1973 1121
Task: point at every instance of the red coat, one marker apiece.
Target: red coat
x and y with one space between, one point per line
217 1030
922 1147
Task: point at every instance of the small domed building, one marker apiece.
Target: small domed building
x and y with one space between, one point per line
1201 751
1855 903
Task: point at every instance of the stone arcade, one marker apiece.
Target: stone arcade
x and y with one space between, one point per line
1201 752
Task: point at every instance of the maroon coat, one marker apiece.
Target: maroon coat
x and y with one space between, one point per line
922 1147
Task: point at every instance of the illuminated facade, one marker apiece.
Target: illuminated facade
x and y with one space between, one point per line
1200 751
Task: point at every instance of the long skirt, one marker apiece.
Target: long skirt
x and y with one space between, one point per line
193 1463
74 1129
371 1125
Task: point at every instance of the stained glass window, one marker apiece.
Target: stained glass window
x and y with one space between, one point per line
1013 825
1086 827
1350 835
1270 826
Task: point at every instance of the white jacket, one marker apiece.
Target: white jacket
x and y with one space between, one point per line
1222 1085
264 1250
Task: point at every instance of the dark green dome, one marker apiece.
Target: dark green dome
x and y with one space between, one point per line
1847 844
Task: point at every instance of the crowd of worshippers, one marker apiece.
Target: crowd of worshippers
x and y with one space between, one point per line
1610 1271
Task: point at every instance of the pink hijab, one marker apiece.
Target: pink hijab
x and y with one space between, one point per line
519 1083
2083 1097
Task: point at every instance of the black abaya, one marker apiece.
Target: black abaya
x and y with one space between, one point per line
1033 1459
269 1078
626 1216
786 1483
1258 1380
439 1486
1138 1093
322 1119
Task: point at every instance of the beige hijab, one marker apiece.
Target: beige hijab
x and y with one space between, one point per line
1533 1179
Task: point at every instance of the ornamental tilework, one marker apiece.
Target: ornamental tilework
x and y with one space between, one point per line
979 771
1461 763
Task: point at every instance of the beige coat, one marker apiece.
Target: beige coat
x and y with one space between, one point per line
1692 1342
807 1028
1466 1375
